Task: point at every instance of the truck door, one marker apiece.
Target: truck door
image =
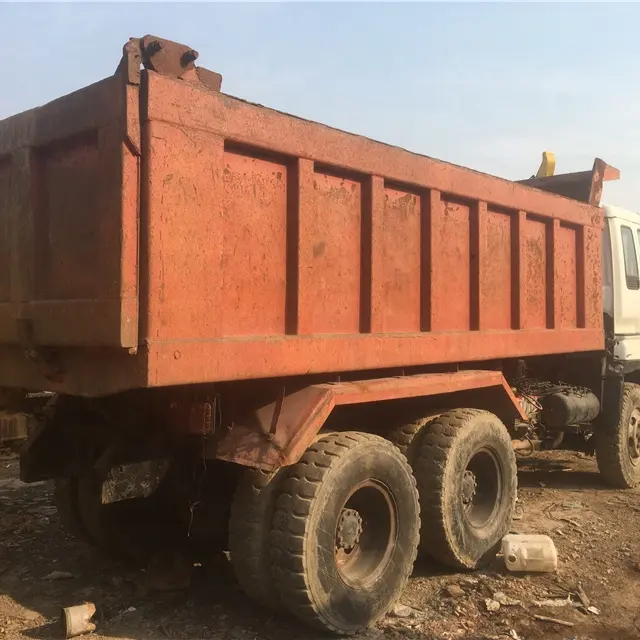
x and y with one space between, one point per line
625 248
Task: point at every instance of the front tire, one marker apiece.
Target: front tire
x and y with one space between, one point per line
618 445
467 480
346 532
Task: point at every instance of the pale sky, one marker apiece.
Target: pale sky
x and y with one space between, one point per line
489 86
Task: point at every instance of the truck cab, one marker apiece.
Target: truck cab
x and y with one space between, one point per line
621 283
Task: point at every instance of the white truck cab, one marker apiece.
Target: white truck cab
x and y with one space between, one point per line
621 281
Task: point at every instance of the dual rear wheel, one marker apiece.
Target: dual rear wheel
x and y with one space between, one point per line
465 468
122 529
187 512
333 538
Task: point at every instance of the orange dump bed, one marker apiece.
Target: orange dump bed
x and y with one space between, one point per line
164 233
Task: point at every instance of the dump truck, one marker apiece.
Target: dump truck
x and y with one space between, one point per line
315 351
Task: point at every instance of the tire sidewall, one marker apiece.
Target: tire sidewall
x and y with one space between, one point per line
483 432
339 604
630 471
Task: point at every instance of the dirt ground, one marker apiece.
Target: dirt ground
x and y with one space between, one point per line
595 530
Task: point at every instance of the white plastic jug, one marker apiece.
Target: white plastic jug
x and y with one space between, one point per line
524 552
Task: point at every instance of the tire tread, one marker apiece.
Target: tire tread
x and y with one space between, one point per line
295 506
249 527
430 468
611 449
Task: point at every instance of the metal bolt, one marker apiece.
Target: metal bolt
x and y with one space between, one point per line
153 47
189 56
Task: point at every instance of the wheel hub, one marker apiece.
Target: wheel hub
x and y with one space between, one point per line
349 529
469 487
633 435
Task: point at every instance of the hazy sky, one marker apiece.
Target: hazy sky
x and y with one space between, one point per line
489 86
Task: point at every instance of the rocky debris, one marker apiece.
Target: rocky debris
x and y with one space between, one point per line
454 591
563 623
491 605
59 575
401 611
505 600
584 600
438 605
554 602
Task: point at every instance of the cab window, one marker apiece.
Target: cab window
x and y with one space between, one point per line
630 259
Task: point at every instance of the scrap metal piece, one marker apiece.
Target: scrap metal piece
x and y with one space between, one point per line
135 480
76 620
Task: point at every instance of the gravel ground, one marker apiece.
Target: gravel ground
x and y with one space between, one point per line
595 530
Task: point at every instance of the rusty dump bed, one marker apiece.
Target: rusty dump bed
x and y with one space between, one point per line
154 231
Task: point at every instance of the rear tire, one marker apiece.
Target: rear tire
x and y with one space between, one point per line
83 516
346 532
252 511
130 529
66 502
618 445
137 528
467 480
408 437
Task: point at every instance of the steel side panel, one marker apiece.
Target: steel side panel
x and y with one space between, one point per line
187 362
331 255
69 197
450 268
396 262
534 233
282 247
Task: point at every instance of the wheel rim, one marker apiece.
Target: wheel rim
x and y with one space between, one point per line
366 531
481 488
633 436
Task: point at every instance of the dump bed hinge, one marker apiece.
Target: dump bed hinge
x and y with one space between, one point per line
166 58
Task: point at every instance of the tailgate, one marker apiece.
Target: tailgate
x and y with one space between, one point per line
69 199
